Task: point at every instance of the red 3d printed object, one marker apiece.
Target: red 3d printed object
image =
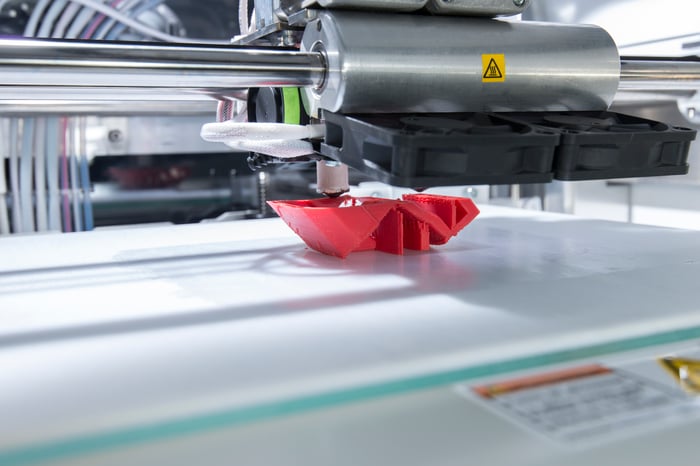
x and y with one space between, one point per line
341 225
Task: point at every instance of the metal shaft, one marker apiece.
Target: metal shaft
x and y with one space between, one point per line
209 69
659 75
44 70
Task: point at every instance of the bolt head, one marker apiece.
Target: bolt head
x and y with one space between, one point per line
472 193
114 135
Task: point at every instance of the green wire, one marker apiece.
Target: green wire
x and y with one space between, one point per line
292 105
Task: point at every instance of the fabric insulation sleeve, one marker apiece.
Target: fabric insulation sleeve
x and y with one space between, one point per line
231 131
280 149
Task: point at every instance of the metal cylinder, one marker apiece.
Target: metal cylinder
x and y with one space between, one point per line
377 63
62 64
406 63
80 102
659 75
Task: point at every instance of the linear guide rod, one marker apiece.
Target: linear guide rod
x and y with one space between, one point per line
60 65
206 68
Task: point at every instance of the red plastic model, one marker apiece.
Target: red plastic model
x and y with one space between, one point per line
339 226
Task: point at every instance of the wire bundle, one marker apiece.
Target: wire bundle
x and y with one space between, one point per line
47 184
101 19
49 176
48 169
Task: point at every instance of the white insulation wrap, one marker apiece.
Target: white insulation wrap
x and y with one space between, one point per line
275 139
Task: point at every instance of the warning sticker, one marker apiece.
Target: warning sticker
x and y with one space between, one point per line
494 68
586 404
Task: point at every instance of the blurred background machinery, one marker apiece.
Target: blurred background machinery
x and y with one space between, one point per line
654 32
75 164
72 165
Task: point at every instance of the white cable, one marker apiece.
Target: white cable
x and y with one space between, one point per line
85 174
74 180
105 28
35 17
79 23
253 20
14 177
4 136
50 18
138 26
68 16
243 16
52 173
25 175
42 216
142 11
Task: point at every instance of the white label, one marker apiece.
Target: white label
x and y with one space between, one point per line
586 404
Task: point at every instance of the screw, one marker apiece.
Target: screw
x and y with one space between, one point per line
471 193
114 135
519 2
288 38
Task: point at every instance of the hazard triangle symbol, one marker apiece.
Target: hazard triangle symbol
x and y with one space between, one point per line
493 71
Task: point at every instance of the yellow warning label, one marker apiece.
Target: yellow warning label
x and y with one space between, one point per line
494 68
685 371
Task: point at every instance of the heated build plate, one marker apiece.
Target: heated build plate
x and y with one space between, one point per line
233 342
